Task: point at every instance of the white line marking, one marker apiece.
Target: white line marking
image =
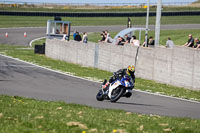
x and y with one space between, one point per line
30 43
56 71
177 98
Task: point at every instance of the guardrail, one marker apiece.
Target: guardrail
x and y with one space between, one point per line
134 14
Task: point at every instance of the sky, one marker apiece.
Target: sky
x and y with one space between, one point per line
98 1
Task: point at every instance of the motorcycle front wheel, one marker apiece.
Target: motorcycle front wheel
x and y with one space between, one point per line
116 94
100 96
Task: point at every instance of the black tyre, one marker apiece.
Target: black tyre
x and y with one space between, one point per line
116 94
100 96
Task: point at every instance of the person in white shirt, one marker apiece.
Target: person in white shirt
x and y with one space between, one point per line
169 43
85 37
134 41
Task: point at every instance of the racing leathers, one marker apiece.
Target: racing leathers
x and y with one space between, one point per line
118 75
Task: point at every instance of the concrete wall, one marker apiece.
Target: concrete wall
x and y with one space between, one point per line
179 66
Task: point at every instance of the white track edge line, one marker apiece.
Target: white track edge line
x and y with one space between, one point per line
98 81
30 43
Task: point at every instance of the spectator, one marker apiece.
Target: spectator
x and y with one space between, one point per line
103 37
197 42
108 37
190 42
127 38
121 41
134 41
57 31
78 37
85 37
74 34
150 42
169 43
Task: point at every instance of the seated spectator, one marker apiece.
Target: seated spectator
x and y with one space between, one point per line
74 34
150 42
190 42
197 42
127 38
108 38
103 37
57 31
78 37
121 41
134 41
169 43
85 37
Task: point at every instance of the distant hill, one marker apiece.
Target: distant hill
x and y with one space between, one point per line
198 1
195 4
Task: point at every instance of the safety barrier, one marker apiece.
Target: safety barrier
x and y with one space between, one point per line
133 14
178 66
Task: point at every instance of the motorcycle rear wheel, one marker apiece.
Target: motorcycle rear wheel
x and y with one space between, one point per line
116 94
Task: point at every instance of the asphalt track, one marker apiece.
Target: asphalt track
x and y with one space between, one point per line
16 35
23 79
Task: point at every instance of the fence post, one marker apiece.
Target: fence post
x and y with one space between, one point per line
147 23
158 19
96 55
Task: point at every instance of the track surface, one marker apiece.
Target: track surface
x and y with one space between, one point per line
22 79
18 78
16 35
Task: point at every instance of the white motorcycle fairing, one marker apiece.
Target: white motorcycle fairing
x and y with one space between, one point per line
112 87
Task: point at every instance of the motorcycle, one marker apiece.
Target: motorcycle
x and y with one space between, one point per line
117 89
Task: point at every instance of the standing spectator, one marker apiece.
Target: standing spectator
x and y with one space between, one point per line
197 42
134 41
74 34
190 42
150 42
169 43
108 37
103 37
85 37
127 38
78 37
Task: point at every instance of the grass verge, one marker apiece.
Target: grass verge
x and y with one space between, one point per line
93 8
33 21
28 115
95 74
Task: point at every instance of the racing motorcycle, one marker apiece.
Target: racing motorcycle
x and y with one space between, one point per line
117 89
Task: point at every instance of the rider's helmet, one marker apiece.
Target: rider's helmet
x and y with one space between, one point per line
130 70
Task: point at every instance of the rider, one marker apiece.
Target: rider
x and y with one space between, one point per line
130 70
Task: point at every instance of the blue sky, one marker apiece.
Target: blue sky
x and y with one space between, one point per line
98 1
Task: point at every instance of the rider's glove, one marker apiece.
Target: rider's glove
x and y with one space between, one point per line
106 85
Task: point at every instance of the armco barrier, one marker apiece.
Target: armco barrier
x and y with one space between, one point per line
178 66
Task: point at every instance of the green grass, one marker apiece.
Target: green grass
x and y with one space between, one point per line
98 8
95 74
19 115
32 21
38 42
